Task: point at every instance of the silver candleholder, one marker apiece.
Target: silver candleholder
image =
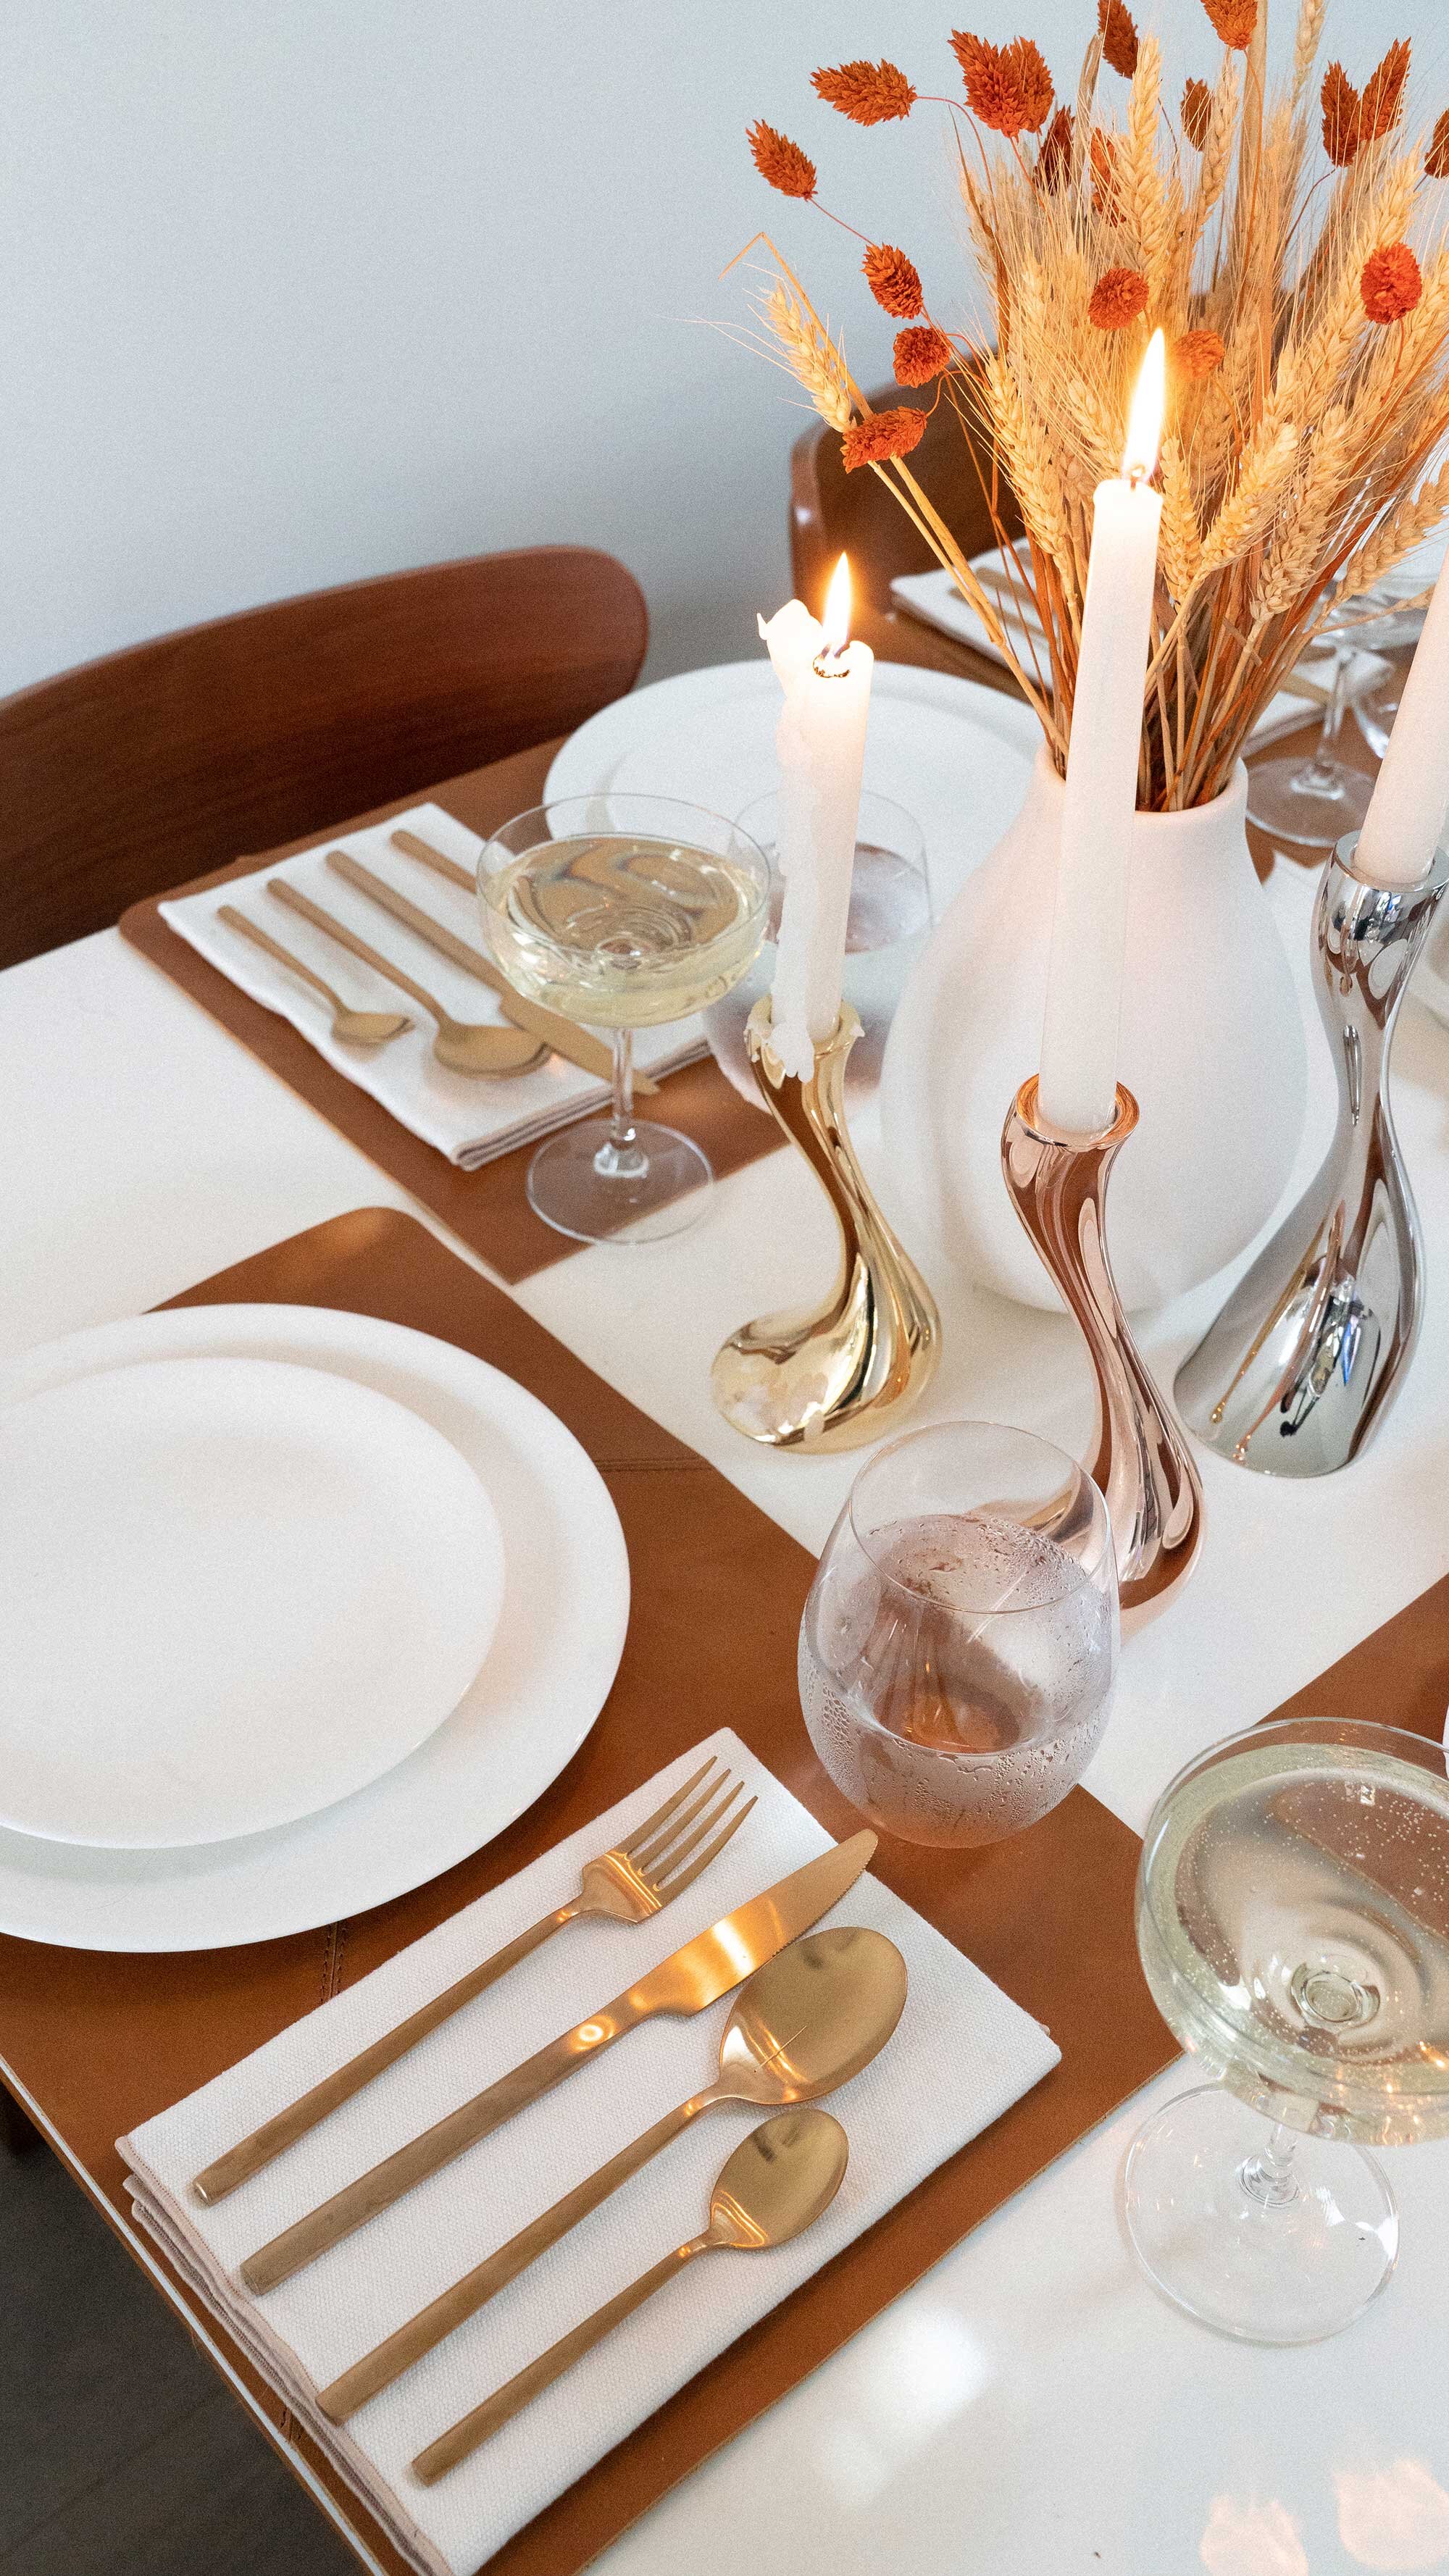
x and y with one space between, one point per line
1058 1186
1309 1351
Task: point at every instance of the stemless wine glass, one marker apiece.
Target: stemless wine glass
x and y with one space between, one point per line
886 929
1293 1924
960 1642
622 912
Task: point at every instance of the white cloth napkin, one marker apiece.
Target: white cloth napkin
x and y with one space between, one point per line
468 1120
934 598
960 2056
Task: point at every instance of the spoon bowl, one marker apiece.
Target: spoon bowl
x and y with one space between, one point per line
369 1028
811 2018
470 1046
779 2180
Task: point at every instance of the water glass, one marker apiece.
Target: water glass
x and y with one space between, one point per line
889 922
960 1641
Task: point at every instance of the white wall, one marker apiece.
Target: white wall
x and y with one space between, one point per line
300 290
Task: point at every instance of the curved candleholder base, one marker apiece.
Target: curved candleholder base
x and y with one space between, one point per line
1058 1185
1308 1353
845 1371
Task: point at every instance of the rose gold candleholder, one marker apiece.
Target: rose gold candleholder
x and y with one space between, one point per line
843 1371
1058 1186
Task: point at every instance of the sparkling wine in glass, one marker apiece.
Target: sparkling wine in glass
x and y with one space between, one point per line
1293 1924
960 1641
622 912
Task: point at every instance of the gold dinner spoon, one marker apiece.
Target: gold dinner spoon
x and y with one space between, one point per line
355 1028
464 1046
779 2180
804 2023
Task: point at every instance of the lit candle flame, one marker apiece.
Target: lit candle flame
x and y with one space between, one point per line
1144 420
835 624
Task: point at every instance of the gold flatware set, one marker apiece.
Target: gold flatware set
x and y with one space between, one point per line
813 2009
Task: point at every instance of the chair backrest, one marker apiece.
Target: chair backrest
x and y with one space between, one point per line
831 510
157 764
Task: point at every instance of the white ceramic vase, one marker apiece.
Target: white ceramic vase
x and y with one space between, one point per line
1212 1046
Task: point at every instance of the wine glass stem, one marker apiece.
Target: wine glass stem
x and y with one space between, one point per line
621 1157
1324 764
1269 2178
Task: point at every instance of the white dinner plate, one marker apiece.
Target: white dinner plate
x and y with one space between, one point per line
231 1592
548 1672
956 755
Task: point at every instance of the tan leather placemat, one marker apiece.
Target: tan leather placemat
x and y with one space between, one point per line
101 2042
487 1209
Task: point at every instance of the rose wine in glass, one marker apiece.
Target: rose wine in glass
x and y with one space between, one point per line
622 912
1293 1924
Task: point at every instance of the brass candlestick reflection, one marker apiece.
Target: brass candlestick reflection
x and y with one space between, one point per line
845 1370
1058 1187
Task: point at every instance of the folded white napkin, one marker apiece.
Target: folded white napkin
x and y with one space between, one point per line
960 2056
468 1120
934 598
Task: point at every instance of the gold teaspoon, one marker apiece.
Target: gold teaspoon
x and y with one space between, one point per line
354 1028
464 1046
801 2025
779 2180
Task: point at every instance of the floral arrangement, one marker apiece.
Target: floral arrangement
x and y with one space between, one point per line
1292 250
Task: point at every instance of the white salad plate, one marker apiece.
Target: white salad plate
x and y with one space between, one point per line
956 755
545 1677
232 1591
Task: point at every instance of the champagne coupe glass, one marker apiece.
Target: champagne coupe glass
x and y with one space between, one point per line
622 912
960 1641
1313 801
1293 1924
888 925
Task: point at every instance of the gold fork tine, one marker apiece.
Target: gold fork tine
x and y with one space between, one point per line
643 1860
651 1824
662 1870
677 1886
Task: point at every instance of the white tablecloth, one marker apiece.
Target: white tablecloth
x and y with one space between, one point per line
1031 2406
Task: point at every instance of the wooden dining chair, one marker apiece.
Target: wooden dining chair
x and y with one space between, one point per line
832 511
160 763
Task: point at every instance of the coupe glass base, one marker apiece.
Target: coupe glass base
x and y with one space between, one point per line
1309 802
657 1190
1289 2264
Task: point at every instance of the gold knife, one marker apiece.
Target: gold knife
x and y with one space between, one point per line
589 1053
699 1974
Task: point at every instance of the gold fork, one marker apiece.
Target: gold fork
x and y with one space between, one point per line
637 1879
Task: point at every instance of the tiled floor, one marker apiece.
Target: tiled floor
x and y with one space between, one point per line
121 2452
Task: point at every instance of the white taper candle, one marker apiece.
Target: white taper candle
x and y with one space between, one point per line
1405 820
821 745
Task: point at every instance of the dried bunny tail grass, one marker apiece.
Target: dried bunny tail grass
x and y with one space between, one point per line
1311 508
1139 178
1181 540
1029 461
1245 515
815 360
1416 517
1306 43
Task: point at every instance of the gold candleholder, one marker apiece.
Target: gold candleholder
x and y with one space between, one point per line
844 1371
1058 1186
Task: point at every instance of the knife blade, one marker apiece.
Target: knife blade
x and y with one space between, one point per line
577 1044
706 1968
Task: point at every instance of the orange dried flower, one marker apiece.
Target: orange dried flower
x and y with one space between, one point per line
1054 160
1342 105
1119 37
1436 159
1117 299
1197 110
1234 21
1382 103
868 93
886 433
1198 353
920 353
1008 87
1391 284
1106 193
781 161
893 280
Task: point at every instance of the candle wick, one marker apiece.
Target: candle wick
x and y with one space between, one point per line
830 664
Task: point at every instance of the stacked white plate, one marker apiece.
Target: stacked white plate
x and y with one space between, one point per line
299 1608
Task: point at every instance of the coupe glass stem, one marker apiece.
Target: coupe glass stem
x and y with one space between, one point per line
1324 770
1269 2177
621 1157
